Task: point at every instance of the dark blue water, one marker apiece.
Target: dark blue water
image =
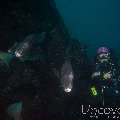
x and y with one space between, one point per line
93 22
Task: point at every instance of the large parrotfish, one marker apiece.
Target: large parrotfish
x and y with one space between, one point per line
66 76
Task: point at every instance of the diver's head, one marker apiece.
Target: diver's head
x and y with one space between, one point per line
103 50
103 54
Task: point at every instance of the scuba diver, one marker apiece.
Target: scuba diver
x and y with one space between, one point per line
105 77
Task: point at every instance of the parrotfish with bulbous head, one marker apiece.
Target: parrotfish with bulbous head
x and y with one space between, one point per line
66 75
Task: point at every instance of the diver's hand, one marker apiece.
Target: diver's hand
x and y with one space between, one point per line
96 74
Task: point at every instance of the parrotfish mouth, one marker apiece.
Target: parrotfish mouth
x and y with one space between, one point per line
69 87
67 90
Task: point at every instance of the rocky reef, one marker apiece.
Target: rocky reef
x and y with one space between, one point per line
36 61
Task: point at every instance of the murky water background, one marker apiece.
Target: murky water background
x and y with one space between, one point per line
93 22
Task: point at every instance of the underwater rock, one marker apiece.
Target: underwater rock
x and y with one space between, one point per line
5 69
47 41
5 60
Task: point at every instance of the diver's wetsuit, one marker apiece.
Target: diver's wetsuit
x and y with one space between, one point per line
106 76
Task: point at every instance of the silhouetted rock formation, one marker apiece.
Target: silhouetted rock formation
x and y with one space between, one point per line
34 81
